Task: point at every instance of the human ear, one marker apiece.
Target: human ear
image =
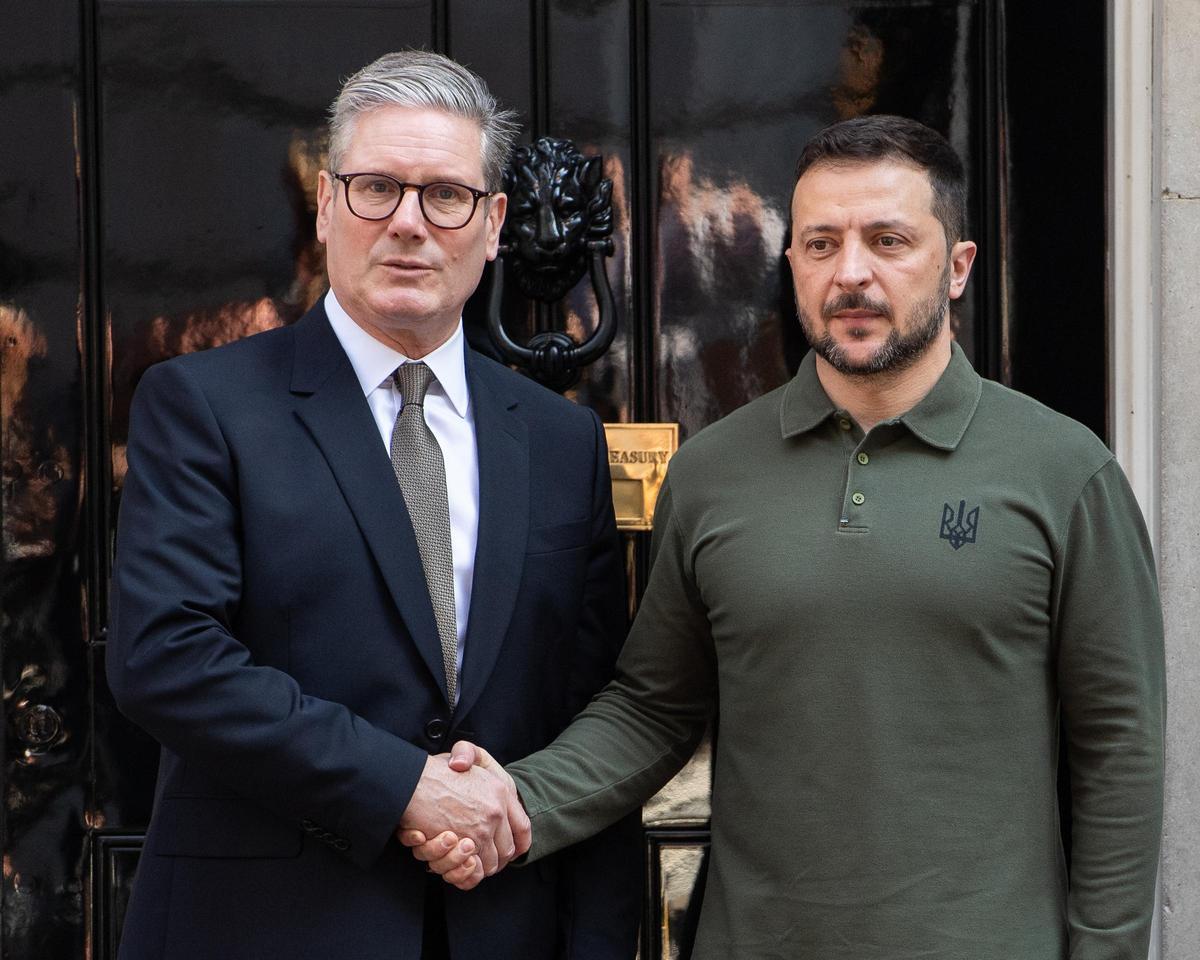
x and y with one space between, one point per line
325 193
497 207
962 256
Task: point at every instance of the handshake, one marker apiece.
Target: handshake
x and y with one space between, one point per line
465 819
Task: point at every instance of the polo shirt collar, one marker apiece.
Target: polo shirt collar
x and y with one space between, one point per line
940 419
945 412
805 403
374 362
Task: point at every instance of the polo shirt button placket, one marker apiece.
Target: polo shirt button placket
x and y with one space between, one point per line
850 516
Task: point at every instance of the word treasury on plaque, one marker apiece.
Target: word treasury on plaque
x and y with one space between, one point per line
637 459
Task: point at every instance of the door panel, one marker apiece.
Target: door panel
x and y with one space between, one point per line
45 637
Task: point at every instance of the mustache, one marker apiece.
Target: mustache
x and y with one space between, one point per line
855 300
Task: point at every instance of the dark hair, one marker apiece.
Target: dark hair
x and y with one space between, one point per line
887 137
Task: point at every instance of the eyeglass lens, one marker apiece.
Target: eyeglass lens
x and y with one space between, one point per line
376 197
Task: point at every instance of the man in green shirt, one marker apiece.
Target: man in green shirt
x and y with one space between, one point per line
899 581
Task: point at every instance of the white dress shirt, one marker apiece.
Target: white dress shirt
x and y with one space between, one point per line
449 415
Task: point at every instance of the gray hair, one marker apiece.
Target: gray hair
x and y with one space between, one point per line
419 78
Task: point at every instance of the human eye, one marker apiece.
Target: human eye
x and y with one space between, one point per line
890 241
445 193
375 187
819 245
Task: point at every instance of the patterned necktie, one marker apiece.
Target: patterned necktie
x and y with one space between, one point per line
421 471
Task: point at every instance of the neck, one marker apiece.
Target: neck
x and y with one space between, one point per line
414 344
875 397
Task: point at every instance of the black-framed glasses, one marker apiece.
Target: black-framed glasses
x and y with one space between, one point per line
445 204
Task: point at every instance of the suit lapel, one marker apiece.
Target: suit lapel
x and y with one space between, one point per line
330 404
503 444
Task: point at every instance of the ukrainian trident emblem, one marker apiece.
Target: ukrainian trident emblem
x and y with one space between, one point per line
961 527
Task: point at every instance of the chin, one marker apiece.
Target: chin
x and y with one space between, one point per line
402 309
858 351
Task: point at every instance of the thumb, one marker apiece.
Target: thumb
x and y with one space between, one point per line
464 755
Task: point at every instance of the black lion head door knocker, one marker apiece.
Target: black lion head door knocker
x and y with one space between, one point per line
559 226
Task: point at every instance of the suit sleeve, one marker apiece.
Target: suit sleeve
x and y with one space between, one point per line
642 728
1108 627
177 668
602 875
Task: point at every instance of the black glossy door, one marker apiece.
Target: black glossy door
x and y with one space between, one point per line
157 194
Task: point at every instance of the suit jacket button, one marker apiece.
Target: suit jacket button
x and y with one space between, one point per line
435 729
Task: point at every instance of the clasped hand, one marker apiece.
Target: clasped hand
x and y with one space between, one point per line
465 819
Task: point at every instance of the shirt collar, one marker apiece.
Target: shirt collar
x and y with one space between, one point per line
374 362
940 418
805 403
945 412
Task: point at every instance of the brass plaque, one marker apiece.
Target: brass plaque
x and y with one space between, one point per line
637 458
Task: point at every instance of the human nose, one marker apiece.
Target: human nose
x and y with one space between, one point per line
408 218
853 266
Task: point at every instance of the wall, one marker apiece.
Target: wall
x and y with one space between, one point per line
1179 482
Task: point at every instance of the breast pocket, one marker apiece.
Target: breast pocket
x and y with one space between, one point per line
559 536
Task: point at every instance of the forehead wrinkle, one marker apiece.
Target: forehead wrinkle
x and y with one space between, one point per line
397 140
820 228
871 188
894 223
380 156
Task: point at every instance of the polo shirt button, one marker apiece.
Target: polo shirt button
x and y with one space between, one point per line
844 423
858 499
435 729
863 459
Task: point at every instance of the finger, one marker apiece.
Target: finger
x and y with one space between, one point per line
436 848
490 856
455 857
410 838
506 847
518 822
518 819
463 756
467 876
488 762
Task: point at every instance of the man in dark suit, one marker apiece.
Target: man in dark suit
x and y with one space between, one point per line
342 546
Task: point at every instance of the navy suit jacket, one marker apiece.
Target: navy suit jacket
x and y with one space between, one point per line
273 631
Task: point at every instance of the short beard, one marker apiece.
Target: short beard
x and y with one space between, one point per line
899 351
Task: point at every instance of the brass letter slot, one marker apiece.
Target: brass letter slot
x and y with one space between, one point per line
637 458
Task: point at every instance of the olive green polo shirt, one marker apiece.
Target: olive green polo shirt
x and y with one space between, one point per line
893 624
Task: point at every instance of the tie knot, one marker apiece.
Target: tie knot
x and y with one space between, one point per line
412 380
